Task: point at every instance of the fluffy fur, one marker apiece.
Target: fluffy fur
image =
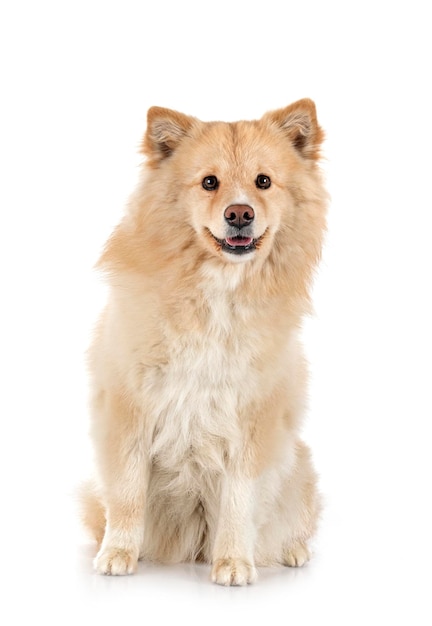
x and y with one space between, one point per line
198 375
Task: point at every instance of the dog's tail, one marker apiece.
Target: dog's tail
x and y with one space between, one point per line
92 510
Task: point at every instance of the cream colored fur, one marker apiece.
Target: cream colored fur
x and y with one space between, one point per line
197 372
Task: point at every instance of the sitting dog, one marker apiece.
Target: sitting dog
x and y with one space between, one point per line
197 372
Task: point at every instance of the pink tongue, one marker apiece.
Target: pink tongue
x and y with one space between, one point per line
239 241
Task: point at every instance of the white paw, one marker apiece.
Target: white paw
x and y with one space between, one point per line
115 562
297 555
233 572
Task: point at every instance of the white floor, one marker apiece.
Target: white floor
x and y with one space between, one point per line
350 581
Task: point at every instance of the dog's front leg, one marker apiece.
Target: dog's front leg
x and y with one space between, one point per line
233 550
124 470
124 502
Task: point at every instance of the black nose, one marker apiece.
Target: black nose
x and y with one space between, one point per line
239 215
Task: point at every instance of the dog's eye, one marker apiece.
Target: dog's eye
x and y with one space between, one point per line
210 183
263 181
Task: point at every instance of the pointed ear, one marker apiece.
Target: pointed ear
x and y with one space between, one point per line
299 122
165 130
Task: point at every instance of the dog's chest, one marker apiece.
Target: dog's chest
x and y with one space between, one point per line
196 395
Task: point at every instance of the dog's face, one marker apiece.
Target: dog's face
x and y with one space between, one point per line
233 183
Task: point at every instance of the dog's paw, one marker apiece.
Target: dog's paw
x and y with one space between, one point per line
233 572
297 555
115 562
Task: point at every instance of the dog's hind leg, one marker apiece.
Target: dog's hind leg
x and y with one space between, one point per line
92 511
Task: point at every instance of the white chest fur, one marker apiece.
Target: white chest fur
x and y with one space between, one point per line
196 395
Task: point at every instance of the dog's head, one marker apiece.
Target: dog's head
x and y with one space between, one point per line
235 184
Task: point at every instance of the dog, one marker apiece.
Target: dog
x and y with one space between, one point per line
198 378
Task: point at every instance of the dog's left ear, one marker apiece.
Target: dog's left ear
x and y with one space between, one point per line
165 130
299 122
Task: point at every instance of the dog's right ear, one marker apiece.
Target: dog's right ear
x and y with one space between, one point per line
165 130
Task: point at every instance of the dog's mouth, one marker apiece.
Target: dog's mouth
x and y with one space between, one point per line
238 244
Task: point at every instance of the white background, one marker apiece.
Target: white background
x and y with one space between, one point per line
76 81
